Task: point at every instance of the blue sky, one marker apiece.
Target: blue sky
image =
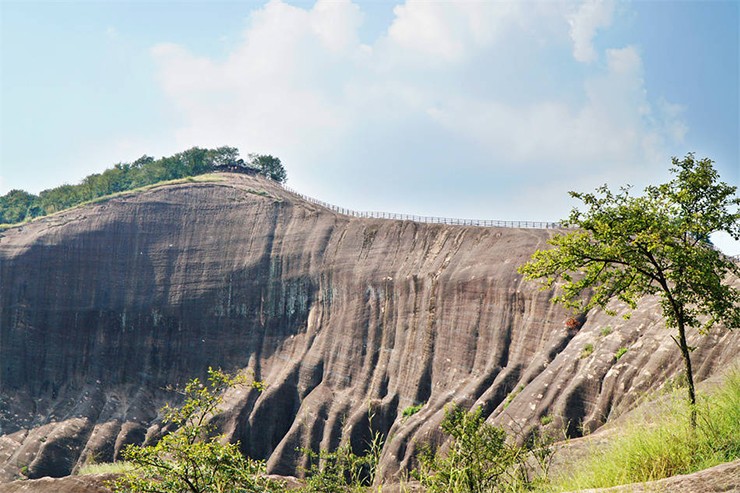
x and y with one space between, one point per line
491 110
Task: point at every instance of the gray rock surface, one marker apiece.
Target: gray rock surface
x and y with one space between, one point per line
344 319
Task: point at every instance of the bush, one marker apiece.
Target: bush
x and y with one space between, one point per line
191 459
481 458
343 471
411 410
620 352
572 323
588 349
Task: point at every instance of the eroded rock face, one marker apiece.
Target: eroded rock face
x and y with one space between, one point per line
348 321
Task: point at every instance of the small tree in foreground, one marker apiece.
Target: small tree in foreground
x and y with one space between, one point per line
191 459
626 247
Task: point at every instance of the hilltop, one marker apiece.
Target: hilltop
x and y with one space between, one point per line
344 318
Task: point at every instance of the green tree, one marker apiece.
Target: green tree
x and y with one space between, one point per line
626 247
269 166
18 205
224 156
191 459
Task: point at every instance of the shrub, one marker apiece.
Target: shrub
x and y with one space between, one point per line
606 331
480 458
588 349
343 471
411 410
191 458
620 352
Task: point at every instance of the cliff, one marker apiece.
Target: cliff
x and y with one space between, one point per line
348 321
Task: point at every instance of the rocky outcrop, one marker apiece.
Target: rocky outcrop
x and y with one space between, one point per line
718 479
76 484
348 321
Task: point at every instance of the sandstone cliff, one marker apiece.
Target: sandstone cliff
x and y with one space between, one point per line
343 318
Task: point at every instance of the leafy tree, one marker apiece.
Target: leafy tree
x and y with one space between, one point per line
18 205
191 459
626 247
269 166
224 156
61 197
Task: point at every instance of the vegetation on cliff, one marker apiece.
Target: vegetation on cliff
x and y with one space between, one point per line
482 458
18 205
658 444
626 247
191 459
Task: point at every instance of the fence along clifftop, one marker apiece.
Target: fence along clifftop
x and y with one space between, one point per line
486 223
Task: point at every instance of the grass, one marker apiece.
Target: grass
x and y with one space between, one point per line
106 468
411 410
512 395
606 331
587 350
208 177
620 352
667 446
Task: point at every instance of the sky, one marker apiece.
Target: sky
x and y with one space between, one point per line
485 109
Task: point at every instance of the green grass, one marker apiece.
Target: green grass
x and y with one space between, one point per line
620 352
208 177
106 468
587 350
666 446
512 395
411 410
606 331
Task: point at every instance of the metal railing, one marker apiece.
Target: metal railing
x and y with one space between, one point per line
486 223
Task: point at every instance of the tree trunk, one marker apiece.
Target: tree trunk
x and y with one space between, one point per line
686 352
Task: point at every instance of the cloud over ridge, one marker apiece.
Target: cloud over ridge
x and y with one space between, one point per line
507 85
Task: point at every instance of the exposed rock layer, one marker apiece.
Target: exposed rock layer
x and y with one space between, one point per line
349 321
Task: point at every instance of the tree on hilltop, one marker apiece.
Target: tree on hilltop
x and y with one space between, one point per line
17 206
626 247
269 166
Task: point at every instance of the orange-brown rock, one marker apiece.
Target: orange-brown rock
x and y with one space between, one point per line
348 321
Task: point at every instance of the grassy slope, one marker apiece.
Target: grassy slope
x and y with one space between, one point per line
665 446
210 177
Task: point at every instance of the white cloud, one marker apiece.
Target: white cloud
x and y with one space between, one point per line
484 87
447 31
590 16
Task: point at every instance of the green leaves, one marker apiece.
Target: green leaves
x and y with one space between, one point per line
17 206
481 459
191 459
626 247
268 166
